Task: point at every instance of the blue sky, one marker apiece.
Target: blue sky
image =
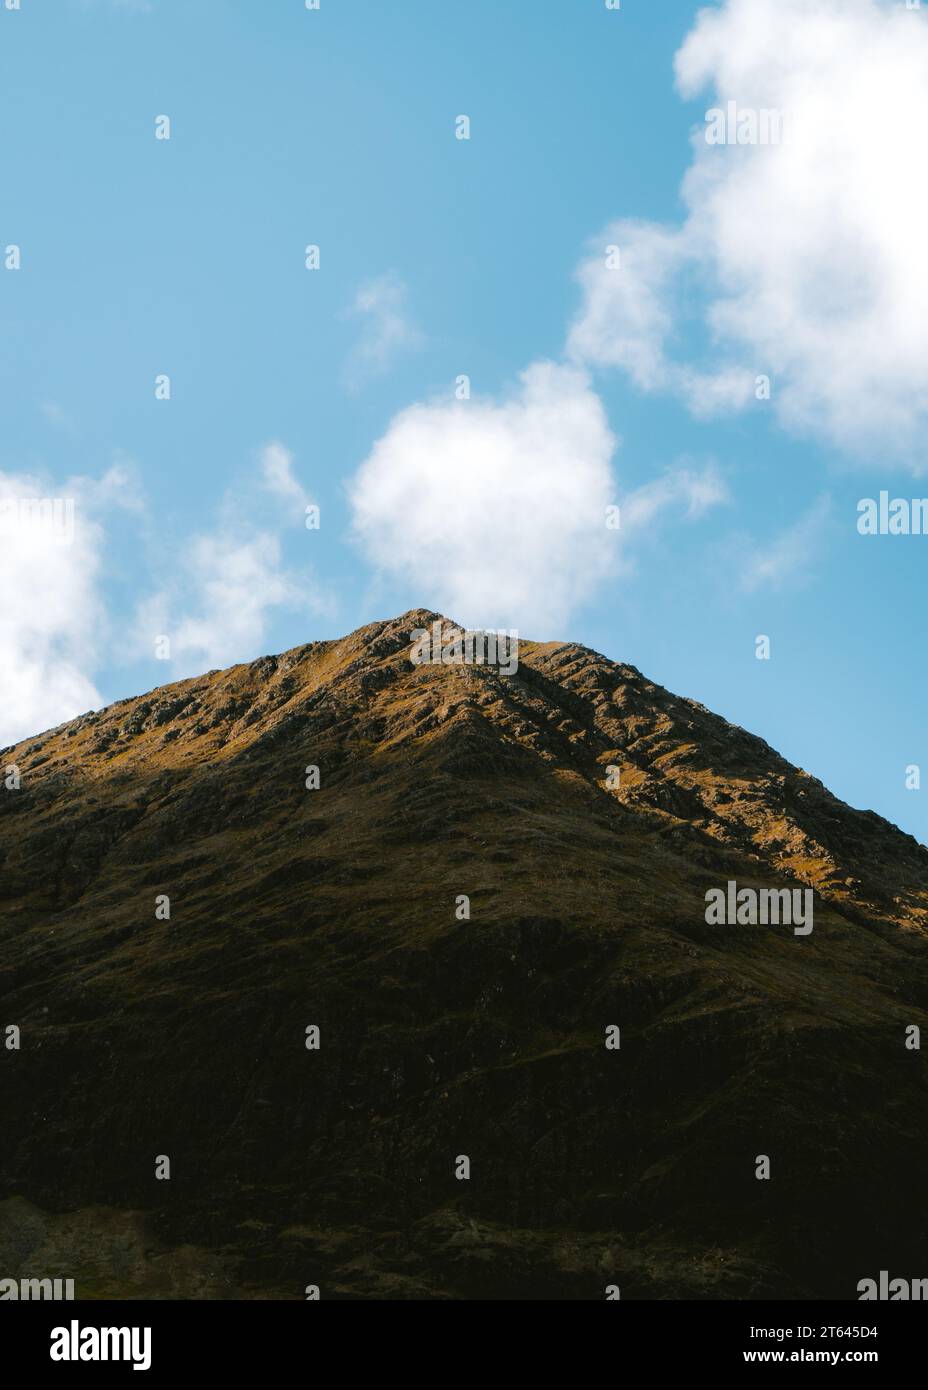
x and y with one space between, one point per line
337 128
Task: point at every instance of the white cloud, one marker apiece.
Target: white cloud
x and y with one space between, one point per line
386 327
221 587
52 617
695 491
787 559
494 512
278 476
232 585
802 260
224 586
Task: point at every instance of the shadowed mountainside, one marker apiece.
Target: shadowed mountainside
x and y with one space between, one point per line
441 1037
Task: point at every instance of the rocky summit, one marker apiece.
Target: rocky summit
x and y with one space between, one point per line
337 971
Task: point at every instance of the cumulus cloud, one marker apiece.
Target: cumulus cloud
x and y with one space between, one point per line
52 615
386 328
494 511
802 260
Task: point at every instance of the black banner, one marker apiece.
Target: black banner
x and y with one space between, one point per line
226 1339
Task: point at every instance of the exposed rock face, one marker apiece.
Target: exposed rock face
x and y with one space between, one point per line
443 1037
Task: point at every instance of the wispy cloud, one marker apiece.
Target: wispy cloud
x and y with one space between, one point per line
789 558
386 328
217 613
222 587
693 491
55 415
277 472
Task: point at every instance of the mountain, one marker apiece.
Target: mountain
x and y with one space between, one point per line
440 1036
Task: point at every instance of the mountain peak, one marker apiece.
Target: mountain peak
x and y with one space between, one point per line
315 822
